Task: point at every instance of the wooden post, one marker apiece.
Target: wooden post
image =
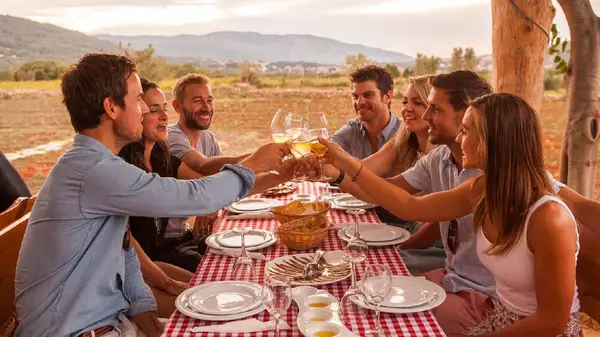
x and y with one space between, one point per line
578 166
519 46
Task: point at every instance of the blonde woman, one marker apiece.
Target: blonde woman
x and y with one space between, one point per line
410 143
526 236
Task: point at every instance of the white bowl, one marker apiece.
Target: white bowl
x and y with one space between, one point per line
304 291
317 315
323 300
324 326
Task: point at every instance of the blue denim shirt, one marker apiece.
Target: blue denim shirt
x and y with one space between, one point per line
73 274
352 137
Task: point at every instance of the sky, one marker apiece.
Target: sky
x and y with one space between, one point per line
432 27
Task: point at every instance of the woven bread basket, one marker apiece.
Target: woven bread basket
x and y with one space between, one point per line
304 233
294 210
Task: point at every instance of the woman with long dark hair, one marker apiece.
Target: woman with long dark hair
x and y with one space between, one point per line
526 236
167 265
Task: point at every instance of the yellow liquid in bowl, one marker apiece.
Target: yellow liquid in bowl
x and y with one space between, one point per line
325 334
318 305
318 319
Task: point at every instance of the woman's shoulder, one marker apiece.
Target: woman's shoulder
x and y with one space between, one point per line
550 217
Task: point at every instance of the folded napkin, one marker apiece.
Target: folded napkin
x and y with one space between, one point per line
247 325
236 253
262 215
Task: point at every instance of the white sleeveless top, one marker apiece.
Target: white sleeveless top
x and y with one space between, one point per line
514 271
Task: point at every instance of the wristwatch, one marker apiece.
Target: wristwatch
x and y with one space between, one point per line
339 180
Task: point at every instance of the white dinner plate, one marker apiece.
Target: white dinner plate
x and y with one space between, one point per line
231 239
271 202
346 201
211 241
181 303
436 294
405 236
252 205
337 270
225 298
376 232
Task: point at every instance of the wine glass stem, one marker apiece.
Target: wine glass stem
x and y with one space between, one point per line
243 252
277 326
356 232
377 313
352 264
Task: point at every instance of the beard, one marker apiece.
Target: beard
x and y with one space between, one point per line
191 122
125 135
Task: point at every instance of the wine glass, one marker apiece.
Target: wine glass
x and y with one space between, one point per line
294 125
243 268
277 298
319 129
278 127
355 252
376 285
296 128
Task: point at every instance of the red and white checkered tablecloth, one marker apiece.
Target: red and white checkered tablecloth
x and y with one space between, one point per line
217 268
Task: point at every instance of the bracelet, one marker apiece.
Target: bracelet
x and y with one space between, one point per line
357 173
339 180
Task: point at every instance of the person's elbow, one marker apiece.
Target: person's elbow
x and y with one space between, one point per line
553 322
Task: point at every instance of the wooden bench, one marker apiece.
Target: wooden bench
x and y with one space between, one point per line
19 208
588 269
11 238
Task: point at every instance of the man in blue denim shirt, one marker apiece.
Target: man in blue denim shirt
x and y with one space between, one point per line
375 125
76 274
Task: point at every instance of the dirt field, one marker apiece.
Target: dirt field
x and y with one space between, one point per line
36 117
33 117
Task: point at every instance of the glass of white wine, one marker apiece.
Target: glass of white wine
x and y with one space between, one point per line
319 129
278 127
297 129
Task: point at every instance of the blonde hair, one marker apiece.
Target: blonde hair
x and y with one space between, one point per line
510 148
406 142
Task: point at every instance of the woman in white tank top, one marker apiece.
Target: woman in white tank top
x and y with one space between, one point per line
527 237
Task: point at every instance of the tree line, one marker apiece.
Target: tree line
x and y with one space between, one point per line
155 67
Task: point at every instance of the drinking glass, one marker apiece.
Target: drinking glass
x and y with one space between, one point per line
376 285
277 298
278 127
355 252
319 129
243 268
294 125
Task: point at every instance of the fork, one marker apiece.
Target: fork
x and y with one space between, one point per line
314 267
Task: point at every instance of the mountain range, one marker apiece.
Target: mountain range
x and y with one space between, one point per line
224 46
23 40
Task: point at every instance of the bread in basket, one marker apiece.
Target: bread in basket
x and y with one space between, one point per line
304 233
297 210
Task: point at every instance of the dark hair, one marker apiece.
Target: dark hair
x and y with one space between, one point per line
193 78
463 86
86 84
147 85
381 76
160 157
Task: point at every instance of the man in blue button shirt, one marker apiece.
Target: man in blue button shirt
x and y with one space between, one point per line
76 273
375 125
